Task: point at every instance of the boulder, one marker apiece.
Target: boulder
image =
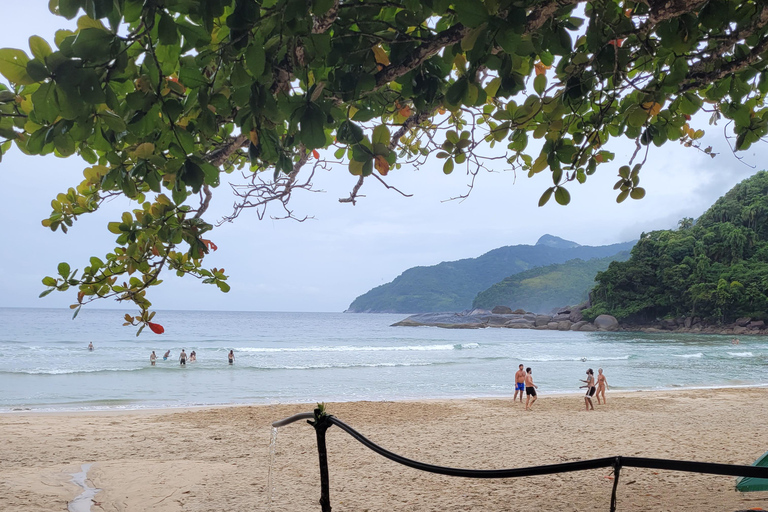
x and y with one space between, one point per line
564 311
542 320
688 322
575 316
680 321
561 316
742 322
606 323
756 324
564 325
577 325
502 310
519 312
668 323
552 326
588 327
496 320
739 330
530 316
519 323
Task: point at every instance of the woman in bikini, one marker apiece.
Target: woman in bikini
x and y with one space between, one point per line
590 385
602 385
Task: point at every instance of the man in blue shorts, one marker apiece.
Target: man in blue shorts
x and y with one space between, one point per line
519 384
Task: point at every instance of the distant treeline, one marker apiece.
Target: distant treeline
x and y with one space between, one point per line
715 268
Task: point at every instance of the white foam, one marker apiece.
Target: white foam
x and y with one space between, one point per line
741 354
689 356
350 348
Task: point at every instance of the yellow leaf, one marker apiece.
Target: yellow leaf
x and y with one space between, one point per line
254 136
380 55
145 150
652 108
541 68
84 22
381 164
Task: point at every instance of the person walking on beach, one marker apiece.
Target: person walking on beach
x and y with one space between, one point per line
166 355
530 389
590 385
152 358
183 358
602 385
231 357
519 383
90 346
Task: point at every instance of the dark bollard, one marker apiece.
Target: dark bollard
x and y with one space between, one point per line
321 424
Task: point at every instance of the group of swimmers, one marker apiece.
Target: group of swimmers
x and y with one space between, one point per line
183 357
595 387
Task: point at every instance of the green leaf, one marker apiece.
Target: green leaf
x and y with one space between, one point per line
190 74
562 196
622 196
64 270
544 199
93 44
540 84
49 281
255 59
448 166
193 175
637 193
39 47
471 13
166 30
311 127
381 135
13 66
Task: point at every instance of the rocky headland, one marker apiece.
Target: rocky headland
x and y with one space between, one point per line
570 319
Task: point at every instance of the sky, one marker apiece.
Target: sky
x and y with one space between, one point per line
342 251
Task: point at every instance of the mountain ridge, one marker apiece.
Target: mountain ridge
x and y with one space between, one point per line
453 285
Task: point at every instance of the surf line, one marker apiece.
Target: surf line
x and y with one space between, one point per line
82 503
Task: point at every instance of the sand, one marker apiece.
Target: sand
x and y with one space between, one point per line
217 459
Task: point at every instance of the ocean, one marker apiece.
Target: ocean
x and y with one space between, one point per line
45 364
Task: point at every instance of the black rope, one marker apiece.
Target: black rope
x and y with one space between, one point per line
615 462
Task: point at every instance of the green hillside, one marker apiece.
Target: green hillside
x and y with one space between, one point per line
541 289
452 286
715 268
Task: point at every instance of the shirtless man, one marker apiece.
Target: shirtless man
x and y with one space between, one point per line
152 358
602 385
166 355
90 346
530 389
590 385
519 383
183 358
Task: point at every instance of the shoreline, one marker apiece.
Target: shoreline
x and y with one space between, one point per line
218 458
28 410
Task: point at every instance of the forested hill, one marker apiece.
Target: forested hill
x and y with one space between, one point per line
452 285
715 268
542 289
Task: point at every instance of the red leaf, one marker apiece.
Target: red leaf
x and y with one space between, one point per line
156 328
316 154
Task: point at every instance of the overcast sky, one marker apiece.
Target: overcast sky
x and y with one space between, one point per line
324 263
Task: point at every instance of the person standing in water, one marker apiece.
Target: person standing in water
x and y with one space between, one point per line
183 358
602 385
530 389
231 357
519 383
590 385
192 357
90 346
152 358
166 355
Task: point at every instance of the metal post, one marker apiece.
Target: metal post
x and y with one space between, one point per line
321 424
616 471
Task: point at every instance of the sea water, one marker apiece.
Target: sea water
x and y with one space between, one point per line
45 363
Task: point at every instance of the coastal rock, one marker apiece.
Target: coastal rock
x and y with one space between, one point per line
606 323
561 316
447 320
519 312
743 321
688 322
668 323
564 325
542 320
756 324
587 327
578 325
519 323
530 316
575 316
552 326
502 310
739 330
564 311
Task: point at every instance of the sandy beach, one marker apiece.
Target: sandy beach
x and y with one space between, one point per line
217 459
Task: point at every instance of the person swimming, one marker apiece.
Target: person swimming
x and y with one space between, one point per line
90 346
166 355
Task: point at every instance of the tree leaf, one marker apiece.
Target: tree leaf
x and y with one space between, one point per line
562 196
255 59
13 66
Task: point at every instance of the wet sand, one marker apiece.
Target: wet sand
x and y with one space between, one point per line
217 459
